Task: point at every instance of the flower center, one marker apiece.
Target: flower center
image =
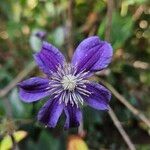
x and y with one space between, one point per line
68 85
69 82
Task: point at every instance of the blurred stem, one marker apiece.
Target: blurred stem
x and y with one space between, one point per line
69 25
70 42
124 101
120 129
110 6
93 31
18 78
138 12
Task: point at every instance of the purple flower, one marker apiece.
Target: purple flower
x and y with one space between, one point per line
66 84
41 35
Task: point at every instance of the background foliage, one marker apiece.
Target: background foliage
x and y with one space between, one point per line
129 72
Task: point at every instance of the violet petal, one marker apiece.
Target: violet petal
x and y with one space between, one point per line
99 97
33 89
92 54
49 58
49 114
73 116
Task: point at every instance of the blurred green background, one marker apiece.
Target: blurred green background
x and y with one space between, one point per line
129 72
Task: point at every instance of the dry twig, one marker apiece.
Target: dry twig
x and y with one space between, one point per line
110 6
120 129
124 101
138 12
69 29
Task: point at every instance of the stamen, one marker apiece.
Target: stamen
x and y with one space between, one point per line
83 93
68 85
83 90
80 98
69 82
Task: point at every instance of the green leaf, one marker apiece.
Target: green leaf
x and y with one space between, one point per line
121 29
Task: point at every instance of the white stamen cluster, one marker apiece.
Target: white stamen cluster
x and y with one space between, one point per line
69 86
69 82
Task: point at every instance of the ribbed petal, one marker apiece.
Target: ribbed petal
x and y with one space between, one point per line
33 89
73 116
99 98
50 113
92 54
49 58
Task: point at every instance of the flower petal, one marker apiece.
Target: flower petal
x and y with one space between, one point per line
92 54
50 113
99 97
49 58
33 89
73 116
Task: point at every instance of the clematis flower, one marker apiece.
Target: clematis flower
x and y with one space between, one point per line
67 84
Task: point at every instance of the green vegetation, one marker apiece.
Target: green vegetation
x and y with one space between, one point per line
129 72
